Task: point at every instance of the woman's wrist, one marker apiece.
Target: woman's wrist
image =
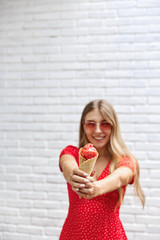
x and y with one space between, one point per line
67 172
100 188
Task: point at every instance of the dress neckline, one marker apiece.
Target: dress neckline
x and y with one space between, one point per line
104 170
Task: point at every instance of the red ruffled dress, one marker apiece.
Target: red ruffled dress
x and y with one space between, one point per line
94 219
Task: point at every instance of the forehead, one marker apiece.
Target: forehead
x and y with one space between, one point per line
94 115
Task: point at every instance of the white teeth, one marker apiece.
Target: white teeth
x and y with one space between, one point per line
98 138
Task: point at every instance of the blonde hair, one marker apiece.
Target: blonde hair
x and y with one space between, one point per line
116 146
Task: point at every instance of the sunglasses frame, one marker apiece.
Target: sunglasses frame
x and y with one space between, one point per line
92 128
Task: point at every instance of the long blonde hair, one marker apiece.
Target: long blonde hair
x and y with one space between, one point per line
116 146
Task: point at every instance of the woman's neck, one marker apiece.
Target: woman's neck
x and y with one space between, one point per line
103 153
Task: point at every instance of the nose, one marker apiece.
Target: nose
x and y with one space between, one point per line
98 129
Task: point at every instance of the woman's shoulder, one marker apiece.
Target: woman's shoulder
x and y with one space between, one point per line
127 161
71 150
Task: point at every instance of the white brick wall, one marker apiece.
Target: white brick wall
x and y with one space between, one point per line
55 56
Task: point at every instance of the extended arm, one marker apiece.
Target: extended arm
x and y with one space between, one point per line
120 177
67 163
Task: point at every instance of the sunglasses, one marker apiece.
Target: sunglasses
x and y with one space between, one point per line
91 125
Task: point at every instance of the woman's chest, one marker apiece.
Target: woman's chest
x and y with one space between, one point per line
101 167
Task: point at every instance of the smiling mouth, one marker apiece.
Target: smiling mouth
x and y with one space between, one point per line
98 138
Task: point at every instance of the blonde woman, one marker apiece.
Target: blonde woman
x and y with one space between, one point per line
95 215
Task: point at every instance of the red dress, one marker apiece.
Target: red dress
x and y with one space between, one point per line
93 219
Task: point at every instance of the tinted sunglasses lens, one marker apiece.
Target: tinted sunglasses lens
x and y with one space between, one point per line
105 126
90 126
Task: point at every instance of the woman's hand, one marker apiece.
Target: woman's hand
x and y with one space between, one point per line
79 179
91 190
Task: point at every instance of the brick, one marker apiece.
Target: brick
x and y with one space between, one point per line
75 15
148 164
93 6
154 211
147 236
28 212
57 196
135 137
16 236
147 3
8 194
17 220
117 4
43 222
154 118
130 235
19 169
74 32
29 229
9 211
127 219
89 23
155 173
135 227
56 179
18 203
152 201
46 204
8 178
56 214
52 231
63 57
134 12
154 100
153 228
40 237
46 49
32 178
19 186
32 195
74 49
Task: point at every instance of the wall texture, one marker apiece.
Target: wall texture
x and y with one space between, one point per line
56 56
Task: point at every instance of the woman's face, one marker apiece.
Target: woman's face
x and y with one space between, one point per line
97 129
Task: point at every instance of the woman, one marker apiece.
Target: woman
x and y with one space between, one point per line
94 201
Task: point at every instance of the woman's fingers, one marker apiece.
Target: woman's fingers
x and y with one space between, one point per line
77 185
79 172
88 185
79 179
91 179
81 182
87 191
90 192
85 188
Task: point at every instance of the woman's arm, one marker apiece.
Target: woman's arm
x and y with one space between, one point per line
67 163
73 174
120 177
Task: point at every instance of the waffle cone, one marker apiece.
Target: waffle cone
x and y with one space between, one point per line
87 165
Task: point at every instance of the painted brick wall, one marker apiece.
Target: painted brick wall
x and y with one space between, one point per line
56 56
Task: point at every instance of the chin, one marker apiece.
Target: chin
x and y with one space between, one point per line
99 144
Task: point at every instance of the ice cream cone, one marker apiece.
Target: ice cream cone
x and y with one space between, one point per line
86 165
